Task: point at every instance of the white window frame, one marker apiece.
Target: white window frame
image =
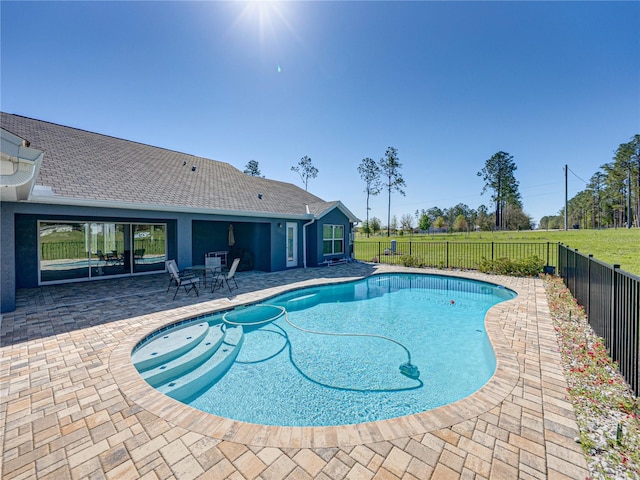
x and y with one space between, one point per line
333 239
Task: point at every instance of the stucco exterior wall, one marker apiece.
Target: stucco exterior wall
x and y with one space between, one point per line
189 237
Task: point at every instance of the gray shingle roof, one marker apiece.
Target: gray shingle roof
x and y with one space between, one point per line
84 166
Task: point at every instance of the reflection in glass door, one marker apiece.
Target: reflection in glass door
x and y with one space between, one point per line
63 251
107 249
149 247
72 251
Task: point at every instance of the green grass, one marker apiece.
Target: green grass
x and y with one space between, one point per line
613 246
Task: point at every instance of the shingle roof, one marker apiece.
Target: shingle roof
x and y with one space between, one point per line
84 166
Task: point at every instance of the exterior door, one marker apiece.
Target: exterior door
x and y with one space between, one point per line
292 244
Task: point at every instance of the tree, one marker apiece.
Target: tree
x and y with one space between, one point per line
439 223
595 187
498 176
370 173
424 222
306 170
627 162
393 225
452 214
374 224
434 212
483 218
460 224
517 219
390 168
406 222
253 169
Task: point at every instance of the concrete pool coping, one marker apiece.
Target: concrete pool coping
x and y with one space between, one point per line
74 406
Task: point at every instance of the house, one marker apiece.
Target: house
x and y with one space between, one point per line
81 206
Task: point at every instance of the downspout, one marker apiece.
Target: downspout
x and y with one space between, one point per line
304 238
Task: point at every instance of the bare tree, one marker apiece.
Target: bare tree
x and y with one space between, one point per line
370 173
390 167
306 170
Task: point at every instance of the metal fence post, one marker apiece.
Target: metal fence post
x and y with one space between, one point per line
588 305
548 246
613 351
447 255
575 269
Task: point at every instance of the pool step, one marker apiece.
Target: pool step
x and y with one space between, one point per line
212 369
191 359
168 346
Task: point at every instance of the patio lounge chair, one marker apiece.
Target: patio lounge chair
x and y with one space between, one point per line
182 279
223 278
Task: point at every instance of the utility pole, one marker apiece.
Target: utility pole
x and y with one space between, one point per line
630 212
638 192
566 197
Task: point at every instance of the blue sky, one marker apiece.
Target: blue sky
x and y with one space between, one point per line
446 83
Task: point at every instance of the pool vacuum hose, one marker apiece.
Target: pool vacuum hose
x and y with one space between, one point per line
407 369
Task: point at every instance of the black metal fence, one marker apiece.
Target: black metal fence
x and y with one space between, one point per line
65 250
611 299
466 255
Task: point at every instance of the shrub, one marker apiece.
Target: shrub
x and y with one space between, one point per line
526 267
411 261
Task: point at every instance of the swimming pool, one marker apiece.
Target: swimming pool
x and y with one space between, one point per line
276 374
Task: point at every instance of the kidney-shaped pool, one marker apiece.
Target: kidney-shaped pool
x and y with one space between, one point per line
383 347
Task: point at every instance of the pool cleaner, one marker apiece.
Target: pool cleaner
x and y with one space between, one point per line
410 370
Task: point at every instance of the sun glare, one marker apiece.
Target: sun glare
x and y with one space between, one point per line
267 20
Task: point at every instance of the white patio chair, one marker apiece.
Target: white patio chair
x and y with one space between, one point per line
223 278
182 279
213 265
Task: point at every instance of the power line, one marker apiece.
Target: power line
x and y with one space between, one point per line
574 174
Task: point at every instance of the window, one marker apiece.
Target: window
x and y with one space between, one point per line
332 239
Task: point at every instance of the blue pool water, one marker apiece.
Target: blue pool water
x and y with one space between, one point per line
289 377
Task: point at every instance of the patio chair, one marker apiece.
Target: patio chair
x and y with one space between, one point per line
113 258
183 273
138 253
181 279
101 257
223 278
214 266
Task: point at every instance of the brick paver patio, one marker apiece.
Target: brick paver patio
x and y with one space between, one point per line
73 406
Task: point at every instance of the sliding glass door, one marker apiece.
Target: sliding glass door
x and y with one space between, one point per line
64 251
73 251
149 247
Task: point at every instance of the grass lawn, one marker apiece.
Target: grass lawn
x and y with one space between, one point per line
613 246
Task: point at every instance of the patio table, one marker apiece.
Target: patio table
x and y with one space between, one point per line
204 269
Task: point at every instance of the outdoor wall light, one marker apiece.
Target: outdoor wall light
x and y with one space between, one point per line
193 168
260 196
279 225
